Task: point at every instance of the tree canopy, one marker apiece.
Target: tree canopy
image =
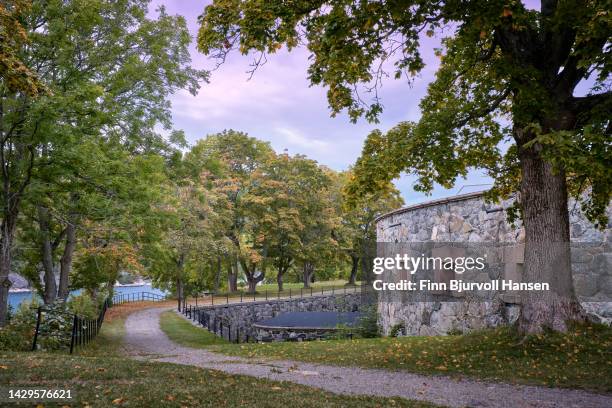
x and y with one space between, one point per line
503 100
69 153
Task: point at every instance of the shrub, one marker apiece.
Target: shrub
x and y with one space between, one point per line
368 324
18 334
398 329
83 305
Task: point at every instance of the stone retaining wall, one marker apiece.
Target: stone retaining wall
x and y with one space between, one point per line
468 218
239 318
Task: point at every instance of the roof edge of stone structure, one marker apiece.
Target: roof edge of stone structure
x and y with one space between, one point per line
437 201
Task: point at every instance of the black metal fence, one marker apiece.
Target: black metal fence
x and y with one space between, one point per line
61 329
233 333
85 330
121 298
220 327
291 293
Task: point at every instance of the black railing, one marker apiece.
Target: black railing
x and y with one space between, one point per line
291 293
233 333
85 330
53 325
120 298
71 330
219 326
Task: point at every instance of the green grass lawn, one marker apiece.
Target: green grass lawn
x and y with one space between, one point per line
273 287
579 359
112 381
184 333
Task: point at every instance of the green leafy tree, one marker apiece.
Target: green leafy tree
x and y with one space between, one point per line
237 157
357 230
284 197
503 61
318 246
109 70
14 73
185 239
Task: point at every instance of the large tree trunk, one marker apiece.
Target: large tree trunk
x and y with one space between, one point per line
249 273
50 289
180 292
547 250
66 259
308 273
6 243
180 285
283 267
279 279
354 270
232 276
252 284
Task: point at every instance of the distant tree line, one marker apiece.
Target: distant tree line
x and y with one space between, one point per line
94 180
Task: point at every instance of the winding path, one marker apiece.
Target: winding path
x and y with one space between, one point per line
145 340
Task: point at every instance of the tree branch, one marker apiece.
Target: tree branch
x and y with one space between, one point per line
584 104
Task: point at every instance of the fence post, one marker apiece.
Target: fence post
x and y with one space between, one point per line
289 293
311 291
254 291
301 292
240 296
266 294
37 328
226 298
72 336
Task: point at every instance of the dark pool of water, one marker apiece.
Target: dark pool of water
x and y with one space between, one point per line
313 319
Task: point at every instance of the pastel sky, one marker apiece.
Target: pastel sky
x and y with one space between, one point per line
278 105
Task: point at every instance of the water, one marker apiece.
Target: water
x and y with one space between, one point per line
15 298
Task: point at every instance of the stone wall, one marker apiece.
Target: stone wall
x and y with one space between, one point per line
468 218
237 319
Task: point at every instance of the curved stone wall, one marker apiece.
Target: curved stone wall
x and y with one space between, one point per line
468 218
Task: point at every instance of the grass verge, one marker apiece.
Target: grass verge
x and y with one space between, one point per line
114 382
184 333
581 358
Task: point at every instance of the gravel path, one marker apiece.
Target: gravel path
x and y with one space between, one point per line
145 340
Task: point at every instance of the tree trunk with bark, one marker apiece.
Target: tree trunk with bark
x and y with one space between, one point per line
252 278
308 273
282 267
180 285
66 259
547 246
279 279
6 243
180 293
232 276
354 270
50 289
